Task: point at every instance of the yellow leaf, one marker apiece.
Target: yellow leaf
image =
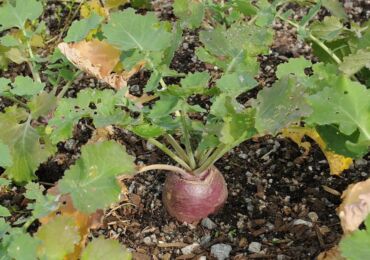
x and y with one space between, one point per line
93 6
37 41
355 206
337 163
114 3
15 55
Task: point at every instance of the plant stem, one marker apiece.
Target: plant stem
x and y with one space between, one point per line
217 154
188 148
68 85
179 150
205 156
315 40
35 73
165 167
170 154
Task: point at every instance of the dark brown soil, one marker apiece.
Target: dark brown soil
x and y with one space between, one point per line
278 197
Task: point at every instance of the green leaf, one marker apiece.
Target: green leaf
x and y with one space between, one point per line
191 12
236 83
4 182
327 30
17 15
28 149
25 86
355 62
59 237
355 246
335 8
23 246
9 41
128 30
4 212
71 110
294 66
166 105
281 105
44 204
101 248
346 105
42 104
95 173
80 29
5 158
148 131
4 85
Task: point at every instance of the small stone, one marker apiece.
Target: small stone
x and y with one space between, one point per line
147 241
209 224
221 251
254 247
189 249
202 257
302 222
281 257
243 156
361 162
205 240
313 216
185 45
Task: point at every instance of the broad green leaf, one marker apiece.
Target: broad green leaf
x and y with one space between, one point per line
101 248
4 85
4 182
354 62
164 106
71 110
9 41
5 156
80 29
355 246
44 204
128 31
4 212
25 86
17 15
28 149
235 83
327 30
193 83
23 246
281 105
95 173
336 8
191 12
42 104
58 238
235 49
347 105
148 131
294 66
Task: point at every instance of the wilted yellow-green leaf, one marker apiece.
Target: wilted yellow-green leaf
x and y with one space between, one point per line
338 163
37 41
93 6
15 55
114 3
355 206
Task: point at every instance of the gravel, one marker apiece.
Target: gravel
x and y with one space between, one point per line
221 251
254 247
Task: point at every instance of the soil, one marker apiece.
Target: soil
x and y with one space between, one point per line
280 199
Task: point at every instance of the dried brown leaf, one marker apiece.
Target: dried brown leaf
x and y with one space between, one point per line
331 254
355 206
98 59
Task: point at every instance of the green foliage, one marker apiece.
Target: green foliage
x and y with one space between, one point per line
44 204
16 15
191 13
80 29
355 246
59 237
128 31
101 248
95 173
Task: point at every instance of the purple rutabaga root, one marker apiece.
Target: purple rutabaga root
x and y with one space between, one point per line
190 198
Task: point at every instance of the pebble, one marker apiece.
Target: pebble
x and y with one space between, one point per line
302 222
189 249
147 241
254 247
313 216
205 240
221 251
208 223
361 162
202 257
